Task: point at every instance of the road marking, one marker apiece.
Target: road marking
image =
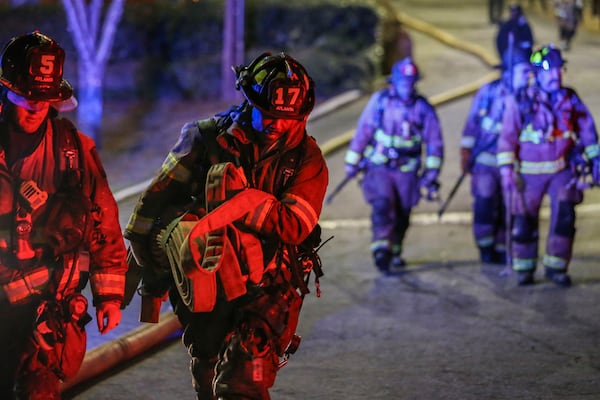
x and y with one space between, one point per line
451 218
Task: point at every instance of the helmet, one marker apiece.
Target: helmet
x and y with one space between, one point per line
404 69
277 85
515 10
547 57
32 68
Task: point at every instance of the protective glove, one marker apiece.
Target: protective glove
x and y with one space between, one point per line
507 177
596 170
351 170
511 180
429 185
465 160
108 316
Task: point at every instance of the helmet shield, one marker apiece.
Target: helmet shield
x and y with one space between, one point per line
32 67
278 86
547 57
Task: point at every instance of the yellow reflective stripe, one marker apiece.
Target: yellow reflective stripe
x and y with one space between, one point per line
379 244
555 262
467 142
489 125
352 157
378 159
505 158
433 162
140 225
396 141
542 167
592 151
257 217
29 284
174 170
411 165
485 241
486 158
531 135
302 209
524 264
107 284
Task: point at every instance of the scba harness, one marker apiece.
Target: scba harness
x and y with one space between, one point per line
61 218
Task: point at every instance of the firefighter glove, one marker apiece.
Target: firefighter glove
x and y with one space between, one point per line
511 180
596 170
465 160
429 185
108 316
351 170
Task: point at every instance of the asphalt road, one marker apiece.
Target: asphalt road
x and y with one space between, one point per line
447 327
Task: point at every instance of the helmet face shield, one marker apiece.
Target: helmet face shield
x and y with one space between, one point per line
278 86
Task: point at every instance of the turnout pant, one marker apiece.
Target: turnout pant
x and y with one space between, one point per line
392 194
526 209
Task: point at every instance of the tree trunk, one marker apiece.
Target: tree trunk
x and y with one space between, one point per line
89 111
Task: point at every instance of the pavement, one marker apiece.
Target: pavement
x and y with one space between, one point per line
446 327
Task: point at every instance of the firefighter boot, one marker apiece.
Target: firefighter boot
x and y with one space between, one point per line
487 254
525 278
382 258
560 277
398 261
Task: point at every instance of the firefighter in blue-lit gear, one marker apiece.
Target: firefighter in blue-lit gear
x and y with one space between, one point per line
252 182
396 127
478 154
548 148
517 26
58 226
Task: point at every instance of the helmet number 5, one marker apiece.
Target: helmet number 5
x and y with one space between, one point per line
47 62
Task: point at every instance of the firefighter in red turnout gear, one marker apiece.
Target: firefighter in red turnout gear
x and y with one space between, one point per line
548 147
394 130
59 226
251 183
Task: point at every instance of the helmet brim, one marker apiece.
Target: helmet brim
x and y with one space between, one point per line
62 93
68 104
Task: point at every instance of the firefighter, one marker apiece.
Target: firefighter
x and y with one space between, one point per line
396 127
568 15
540 152
478 154
518 26
59 227
252 182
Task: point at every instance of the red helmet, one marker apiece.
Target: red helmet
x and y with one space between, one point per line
277 85
32 67
405 69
